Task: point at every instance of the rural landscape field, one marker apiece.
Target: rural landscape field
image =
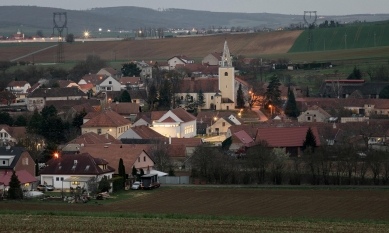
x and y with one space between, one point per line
211 209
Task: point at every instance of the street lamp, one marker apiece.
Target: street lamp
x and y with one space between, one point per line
56 155
86 34
271 109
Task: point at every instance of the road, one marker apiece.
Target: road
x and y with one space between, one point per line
261 116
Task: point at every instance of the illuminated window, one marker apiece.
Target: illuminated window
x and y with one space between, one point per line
75 183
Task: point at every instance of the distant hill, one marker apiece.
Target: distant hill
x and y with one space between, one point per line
31 18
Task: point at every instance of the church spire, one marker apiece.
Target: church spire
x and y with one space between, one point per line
226 57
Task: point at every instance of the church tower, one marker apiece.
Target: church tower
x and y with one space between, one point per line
227 75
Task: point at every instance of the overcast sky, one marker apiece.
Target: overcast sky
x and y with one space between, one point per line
323 7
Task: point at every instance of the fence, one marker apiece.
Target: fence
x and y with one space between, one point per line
174 180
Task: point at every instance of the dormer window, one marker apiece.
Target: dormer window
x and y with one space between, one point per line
226 74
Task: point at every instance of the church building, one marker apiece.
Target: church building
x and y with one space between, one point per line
219 93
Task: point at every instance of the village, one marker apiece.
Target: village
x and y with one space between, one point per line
213 108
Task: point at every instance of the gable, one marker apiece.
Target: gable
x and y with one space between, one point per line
171 115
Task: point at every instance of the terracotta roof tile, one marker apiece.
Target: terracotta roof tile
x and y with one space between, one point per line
285 136
183 115
17 83
23 176
192 142
144 132
57 92
194 85
107 119
168 120
94 138
125 108
93 78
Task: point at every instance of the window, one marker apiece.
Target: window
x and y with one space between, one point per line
211 97
110 82
308 118
5 135
57 178
61 178
3 162
25 161
139 159
144 158
224 124
109 88
226 74
182 97
98 131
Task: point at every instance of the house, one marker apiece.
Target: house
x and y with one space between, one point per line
19 89
216 122
176 123
90 139
181 59
129 83
127 110
289 138
212 59
137 96
86 88
162 65
314 114
132 155
18 36
143 118
72 170
34 87
16 159
67 110
141 132
110 72
345 88
38 98
199 70
11 135
147 69
27 181
190 144
108 84
240 140
106 121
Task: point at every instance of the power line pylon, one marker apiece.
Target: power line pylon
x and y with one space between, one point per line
310 18
60 21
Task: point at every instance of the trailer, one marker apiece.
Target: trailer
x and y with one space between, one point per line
149 181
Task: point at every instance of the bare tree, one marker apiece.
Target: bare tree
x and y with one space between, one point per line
258 159
159 152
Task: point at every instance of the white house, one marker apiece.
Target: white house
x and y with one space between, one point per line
179 60
19 89
176 123
72 170
108 84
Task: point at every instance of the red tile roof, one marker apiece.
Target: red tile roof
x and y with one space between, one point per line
156 115
86 165
217 55
146 132
194 85
112 71
244 83
285 136
86 87
15 132
107 118
183 115
243 137
35 86
23 176
93 78
94 138
66 83
191 142
130 80
125 108
168 120
17 83
203 69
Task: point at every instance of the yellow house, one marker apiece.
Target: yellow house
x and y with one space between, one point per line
105 122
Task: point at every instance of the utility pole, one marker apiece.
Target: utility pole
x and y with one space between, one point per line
345 41
375 40
324 44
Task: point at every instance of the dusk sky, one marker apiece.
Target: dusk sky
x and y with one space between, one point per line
326 7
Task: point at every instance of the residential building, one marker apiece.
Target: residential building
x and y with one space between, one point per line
314 114
106 121
141 132
215 122
67 83
38 98
90 138
147 69
74 170
176 123
181 59
110 72
16 159
108 84
27 181
128 110
213 59
130 83
19 89
11 135
357 88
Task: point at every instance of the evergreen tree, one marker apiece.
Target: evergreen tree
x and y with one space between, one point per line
310 140
240 97
356 74
152 97
307 94
122 171
273 93
6 119
200 99
142 172
165 94
130 69
134 172
36 167
125 97
104 184
78 119
21 121
291 109
35 123
15 191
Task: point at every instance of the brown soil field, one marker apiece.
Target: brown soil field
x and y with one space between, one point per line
194 47
350 204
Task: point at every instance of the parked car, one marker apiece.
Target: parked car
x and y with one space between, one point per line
136 185
44 187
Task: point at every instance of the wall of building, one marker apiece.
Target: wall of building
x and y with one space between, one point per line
26 163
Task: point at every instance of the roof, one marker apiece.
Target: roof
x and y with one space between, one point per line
194 85
244 83
156 115
207 117
285 136
107 118
57 92
169 120
111 70
183 58
135 94
94 138
144 132
317 108
183 115
125 108
23 176
112 153
86 87
76 104
129 80
146 116
17 83
249 129
200 68
15 131
243 137
14 151
93 78
217 55
33 87
188 142
76 164
66 83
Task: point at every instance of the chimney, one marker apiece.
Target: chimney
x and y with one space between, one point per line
170 140
106 135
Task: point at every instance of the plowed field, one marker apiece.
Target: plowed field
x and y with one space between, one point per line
311 204
194 47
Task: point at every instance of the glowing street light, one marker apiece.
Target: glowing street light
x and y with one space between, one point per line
56 155
271 109
86 34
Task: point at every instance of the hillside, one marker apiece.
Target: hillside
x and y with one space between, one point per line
363 35
195 47
29 19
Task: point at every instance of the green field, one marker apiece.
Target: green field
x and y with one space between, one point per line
362 35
